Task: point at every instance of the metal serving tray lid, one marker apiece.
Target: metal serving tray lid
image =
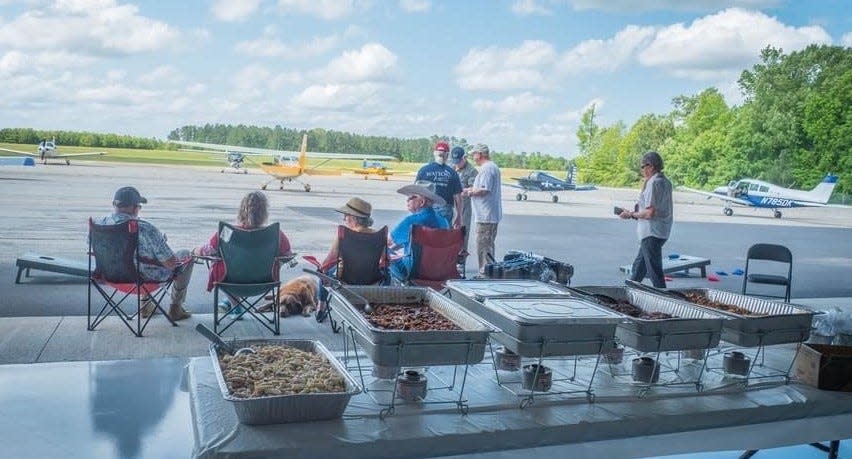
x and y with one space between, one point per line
481 289
551 310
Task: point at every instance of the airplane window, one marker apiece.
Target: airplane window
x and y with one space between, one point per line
753 187
764 189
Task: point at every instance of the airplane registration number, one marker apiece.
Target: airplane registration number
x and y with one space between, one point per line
777 202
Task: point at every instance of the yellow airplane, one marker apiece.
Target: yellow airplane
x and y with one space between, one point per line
286 166
377 168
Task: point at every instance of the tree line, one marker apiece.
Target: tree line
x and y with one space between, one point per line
79 139
793 127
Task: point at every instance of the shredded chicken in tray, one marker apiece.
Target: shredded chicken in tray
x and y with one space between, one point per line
279 370
698 298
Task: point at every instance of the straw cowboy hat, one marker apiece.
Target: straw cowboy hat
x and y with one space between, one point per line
356 207
423 188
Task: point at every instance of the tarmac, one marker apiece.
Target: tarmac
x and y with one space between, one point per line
45 211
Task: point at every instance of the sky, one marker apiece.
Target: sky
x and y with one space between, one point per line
513 74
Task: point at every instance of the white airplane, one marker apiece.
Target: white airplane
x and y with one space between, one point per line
285 165
757 193
47 150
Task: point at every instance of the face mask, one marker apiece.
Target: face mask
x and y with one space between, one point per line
439 157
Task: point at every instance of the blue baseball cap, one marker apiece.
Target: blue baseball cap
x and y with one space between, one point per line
457 155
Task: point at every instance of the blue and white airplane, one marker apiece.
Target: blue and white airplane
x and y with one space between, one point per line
757 193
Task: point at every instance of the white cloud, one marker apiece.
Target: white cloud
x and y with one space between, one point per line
325 9
846 40
270 46
606 55
232 11
96 27
164 74
669 5
114 94
572 116
529 7
522 103
716 45
500 68
415 6
336 96
373 62
552 138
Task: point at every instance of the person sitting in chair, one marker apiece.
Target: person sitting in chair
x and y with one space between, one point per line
157 261
253 214
356 216
421 198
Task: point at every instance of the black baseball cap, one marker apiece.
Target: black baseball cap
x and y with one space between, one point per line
128 196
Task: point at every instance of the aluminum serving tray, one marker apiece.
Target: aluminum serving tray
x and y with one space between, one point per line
412 348
693 327
471 294
781 323
278 409
563 325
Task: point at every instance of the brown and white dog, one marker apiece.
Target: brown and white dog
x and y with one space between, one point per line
297 296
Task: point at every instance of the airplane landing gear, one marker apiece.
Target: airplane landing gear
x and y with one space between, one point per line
555 198
307 188
245 171
67 162
263 187
519 197
728 211
777 214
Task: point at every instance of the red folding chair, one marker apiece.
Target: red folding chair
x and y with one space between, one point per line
114 273
438 255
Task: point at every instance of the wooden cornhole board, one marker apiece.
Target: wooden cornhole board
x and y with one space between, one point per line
681 264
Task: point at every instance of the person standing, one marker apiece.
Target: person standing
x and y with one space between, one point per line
467 173
485 200
654 221
157 261
447 184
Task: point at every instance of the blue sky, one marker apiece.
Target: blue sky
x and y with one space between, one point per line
515 74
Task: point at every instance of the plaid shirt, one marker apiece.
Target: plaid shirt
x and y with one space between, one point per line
153 249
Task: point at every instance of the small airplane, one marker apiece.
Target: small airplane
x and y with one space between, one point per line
47 150
542 181
377 168
757 193
286 166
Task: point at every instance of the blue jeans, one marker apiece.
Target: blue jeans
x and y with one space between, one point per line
322 291
649 261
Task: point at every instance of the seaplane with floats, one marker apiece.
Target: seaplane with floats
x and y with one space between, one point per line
760 194
286 166
47 150
377 168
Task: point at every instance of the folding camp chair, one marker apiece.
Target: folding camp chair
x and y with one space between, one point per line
114 273
362 259
437 255
779 255
251 273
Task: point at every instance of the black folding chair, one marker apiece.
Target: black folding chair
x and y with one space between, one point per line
251 273
777 254
114 272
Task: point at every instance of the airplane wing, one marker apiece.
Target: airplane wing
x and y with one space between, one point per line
28 153
56 156
251 151
526 184
739 201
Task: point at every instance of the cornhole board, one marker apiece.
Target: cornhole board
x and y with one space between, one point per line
52 264
682 264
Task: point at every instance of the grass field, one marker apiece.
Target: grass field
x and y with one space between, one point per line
190 158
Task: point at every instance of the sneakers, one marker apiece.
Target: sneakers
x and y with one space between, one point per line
177 312
224 305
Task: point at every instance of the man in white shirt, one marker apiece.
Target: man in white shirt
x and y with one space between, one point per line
485 201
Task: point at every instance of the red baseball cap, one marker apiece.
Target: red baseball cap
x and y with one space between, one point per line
442 146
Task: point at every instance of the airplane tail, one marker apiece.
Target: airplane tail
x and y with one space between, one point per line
822 192
303 156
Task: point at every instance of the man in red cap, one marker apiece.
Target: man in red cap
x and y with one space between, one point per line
447 183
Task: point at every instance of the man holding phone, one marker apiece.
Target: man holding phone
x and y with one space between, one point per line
654 220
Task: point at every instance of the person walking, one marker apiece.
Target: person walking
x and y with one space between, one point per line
485 201
653 213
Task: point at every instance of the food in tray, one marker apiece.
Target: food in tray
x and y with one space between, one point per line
408 316
279 370
635 311
702 300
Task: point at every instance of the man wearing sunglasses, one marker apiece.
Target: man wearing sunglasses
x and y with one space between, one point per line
420 199
654 220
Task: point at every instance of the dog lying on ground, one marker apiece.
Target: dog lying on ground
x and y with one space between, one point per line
297 296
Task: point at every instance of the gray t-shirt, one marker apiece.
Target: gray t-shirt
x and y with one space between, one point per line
488 207
657 194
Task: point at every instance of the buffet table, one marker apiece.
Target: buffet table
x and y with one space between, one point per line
616 426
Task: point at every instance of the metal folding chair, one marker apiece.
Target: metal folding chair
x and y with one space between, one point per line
771 253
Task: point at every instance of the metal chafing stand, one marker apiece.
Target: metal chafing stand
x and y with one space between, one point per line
398 348
540 320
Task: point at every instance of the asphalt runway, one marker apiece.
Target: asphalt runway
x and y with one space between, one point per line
45 210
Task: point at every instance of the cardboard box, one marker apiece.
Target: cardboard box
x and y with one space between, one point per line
825 367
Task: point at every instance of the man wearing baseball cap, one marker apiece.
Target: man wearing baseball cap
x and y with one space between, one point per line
485 200
446 181
467 174
157 261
